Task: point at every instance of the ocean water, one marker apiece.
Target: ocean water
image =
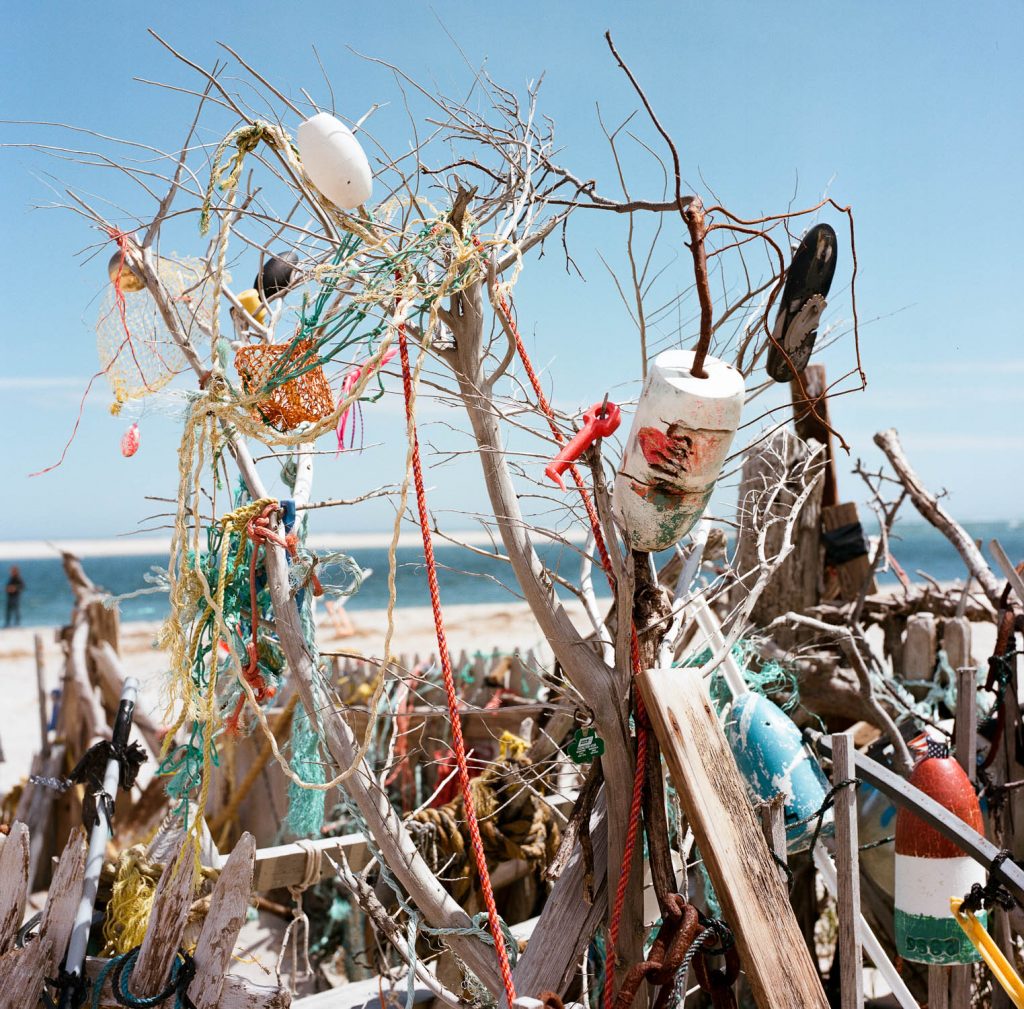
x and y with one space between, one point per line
464 576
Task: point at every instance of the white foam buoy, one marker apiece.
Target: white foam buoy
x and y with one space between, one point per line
680 437
334 161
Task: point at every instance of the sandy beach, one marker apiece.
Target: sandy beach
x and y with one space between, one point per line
470 628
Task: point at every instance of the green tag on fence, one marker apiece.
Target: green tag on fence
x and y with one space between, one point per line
585 747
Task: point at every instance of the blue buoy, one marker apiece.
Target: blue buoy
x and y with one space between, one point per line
773 758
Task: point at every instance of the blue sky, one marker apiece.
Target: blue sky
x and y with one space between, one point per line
910 112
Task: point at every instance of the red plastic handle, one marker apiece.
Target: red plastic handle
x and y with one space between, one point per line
601 420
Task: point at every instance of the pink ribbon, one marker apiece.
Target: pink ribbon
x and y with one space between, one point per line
130 441
347 385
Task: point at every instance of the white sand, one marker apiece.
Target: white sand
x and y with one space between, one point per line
469 627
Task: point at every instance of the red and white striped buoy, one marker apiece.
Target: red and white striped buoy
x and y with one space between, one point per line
930 868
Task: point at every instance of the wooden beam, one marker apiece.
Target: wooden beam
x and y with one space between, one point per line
754 901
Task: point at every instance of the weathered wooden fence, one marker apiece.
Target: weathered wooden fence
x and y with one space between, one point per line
24 968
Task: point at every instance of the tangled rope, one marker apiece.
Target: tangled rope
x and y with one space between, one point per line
119 970
515 823
300 921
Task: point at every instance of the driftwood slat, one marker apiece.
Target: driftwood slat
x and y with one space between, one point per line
23 975
166 926
35 810
224 920
14 868
23 971
63 899
563 932
284 864
754 901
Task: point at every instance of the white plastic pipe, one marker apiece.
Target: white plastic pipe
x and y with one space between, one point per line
100 835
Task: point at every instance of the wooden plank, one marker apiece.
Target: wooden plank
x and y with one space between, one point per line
562 933
851 961
15 860
938 987
965 739
40 958
810 417
23 975
63 899
956 642
754 901
35 810
224 920
366 994
285 864
166 926
920 648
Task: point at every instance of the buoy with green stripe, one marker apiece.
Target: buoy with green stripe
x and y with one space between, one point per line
930 868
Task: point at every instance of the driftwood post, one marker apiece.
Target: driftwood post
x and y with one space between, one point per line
794 586
44 733
851 962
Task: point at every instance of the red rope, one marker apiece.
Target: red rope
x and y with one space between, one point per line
458 743
259 533
636 802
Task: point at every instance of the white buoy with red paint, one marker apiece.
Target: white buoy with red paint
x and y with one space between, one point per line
930 868
680 437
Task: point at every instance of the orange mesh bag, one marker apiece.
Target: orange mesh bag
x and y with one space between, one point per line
305 398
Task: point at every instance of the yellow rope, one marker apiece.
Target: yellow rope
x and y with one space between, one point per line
219 406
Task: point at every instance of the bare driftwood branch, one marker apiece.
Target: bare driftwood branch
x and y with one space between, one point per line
928 505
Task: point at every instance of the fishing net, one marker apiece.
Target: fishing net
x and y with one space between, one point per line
135 347
285 402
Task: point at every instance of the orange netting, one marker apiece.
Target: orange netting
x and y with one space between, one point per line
305 398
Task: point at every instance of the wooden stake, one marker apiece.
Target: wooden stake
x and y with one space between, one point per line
171 904
220 930
754 901
44 735
851 962
773 826
938 987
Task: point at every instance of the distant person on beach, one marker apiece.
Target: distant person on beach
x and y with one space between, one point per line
15 587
